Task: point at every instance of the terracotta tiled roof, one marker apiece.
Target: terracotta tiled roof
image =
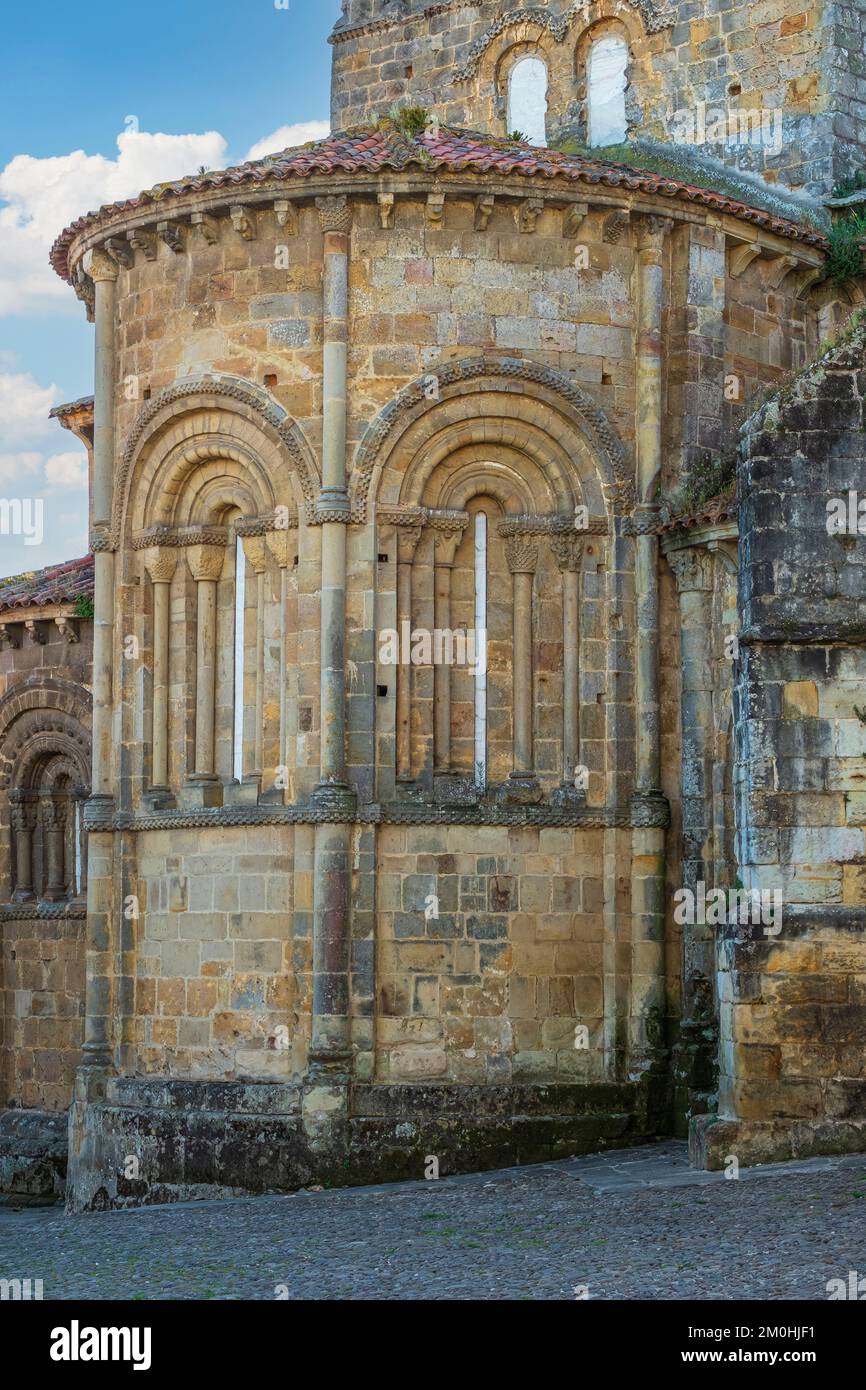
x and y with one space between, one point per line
71 408
383 148
709 513
57 584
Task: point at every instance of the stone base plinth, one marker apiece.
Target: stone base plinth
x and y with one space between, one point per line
193 1140
714 1141
32 1155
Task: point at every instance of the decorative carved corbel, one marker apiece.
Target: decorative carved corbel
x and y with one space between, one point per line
484 205
120 251
208 226
528 213
436 209
171 234
386 211
614 225
243 221
287 215
143 241
35 631
67 627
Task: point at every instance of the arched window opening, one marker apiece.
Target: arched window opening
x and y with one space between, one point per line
239 659
527 100
606 85
481 650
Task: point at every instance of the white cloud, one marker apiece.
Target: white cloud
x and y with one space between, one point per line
39 197
16 466
24 407
66 471
288 136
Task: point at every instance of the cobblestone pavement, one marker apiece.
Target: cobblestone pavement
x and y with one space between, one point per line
630 1224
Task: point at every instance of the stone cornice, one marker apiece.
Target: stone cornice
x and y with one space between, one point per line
643 815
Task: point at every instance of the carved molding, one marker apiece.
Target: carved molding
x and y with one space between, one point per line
655 18
601 434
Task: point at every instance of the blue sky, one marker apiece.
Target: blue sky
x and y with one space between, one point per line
178 84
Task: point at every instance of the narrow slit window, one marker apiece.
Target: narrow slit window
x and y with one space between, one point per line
527 100
481 650
240 606
76 847
606 84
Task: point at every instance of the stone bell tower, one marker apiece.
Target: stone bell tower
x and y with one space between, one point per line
775 87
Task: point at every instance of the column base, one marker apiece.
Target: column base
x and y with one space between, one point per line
454 789
336 798
99 813
521 789
650 808
23 895
568 797
159 799
409 789
245 793
201 793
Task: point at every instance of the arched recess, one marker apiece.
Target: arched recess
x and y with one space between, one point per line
528 84
206 420
532 408
45 742
521 444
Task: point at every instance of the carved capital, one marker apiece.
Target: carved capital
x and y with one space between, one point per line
407 543
100 266
335 214
446 544
52 813
22 809
651 233
693 569
161 563
278 544
205 561
522 555
256 551
567 551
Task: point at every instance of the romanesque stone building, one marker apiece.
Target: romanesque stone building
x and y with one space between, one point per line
421 699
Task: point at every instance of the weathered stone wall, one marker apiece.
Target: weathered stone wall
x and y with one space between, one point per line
690 66
792 1015
42 974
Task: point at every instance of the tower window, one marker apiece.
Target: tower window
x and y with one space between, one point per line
606 84
527 100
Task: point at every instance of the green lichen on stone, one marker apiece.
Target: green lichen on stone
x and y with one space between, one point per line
687 165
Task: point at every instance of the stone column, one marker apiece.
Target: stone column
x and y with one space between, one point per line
333 508
522 556
161 563
330 1051
53 817
255 549
568 553
98 1006
650 812
445 543
650 410
278 544
206 566
407 543
23 816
